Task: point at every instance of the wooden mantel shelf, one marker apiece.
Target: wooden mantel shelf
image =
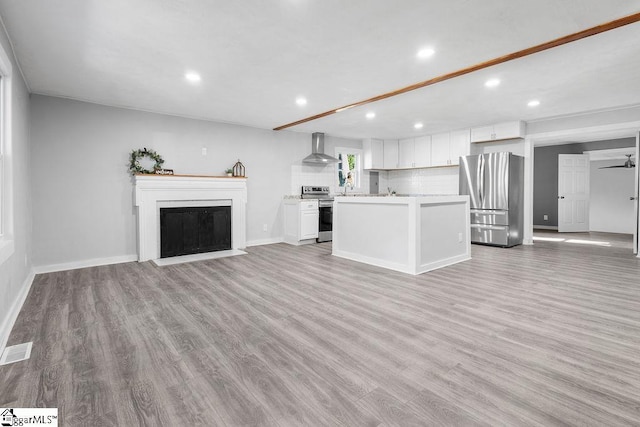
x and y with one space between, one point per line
191 176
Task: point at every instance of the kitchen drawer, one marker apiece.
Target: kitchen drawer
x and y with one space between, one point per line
493 217
311 205
490 234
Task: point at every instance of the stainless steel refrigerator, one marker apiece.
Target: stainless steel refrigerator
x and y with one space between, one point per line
494 183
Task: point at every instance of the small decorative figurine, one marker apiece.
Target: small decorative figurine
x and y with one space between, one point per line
238 169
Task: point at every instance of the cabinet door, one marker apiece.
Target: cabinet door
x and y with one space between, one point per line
484 133
308 224
440 149
422 150
373 153
508 130
406 153
458 146
390 154
377 154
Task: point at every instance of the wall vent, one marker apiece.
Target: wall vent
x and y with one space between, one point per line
16 353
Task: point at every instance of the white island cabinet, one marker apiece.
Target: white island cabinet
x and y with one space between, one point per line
412 234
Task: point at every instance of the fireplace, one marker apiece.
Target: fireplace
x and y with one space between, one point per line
223 199
194 230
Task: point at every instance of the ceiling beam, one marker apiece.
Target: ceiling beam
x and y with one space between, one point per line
630 19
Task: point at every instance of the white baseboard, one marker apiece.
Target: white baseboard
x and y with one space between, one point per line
14 310
269 241
545 227
161 262
85 263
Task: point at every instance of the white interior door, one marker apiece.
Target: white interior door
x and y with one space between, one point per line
636 248
573 192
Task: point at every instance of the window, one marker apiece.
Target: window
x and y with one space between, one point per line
349 168
6 226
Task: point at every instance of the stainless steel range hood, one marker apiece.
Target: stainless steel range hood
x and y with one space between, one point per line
317 155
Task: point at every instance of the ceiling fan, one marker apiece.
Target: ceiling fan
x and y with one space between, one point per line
628 164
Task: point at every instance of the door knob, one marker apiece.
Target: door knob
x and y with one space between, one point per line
633 198
561 197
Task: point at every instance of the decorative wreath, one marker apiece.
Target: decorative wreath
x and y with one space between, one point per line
136 155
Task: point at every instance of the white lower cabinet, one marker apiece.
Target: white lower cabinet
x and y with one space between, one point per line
308 224
301 218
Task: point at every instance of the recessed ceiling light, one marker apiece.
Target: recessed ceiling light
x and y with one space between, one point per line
370 115
192 77
492 82
301 101
418 126
533 103
425 53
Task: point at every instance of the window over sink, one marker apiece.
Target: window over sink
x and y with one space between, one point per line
349 168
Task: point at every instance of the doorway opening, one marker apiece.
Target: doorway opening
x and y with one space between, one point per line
580 198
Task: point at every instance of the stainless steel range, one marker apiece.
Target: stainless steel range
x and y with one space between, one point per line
325 207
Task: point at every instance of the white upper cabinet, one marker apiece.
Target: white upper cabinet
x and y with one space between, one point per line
440 149
390 154
484 133
406 153
373 153
422 150
506 130
459 146
443 149
447 147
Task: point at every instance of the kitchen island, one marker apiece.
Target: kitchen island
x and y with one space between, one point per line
411 234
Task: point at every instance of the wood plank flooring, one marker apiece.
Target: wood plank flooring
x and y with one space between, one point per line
288 336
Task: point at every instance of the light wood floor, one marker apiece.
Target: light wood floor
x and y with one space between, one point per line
542 335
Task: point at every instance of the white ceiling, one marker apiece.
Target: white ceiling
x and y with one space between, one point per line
255 57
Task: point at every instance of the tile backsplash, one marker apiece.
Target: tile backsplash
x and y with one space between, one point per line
302 174
421 181
312 175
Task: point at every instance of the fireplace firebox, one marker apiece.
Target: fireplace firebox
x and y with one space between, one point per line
193 230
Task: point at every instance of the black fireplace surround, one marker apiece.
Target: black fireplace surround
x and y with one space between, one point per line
194 230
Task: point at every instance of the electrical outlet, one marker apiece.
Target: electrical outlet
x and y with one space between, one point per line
459 237
546 217
204 151
264 227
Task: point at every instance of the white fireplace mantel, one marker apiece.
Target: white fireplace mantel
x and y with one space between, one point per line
154 191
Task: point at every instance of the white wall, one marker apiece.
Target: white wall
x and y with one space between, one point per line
610 209
585 120
82 191
14 272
